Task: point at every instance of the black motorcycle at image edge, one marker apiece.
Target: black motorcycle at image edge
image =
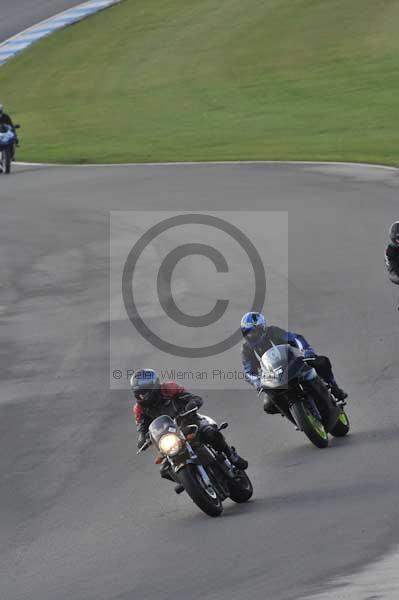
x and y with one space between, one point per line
286 377
206 475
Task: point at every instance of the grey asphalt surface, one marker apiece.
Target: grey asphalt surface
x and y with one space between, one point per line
82 517
16 15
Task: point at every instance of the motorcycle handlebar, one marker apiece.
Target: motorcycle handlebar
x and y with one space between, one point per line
188 412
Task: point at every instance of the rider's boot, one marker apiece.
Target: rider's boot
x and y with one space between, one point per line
236 459
337 392
217 440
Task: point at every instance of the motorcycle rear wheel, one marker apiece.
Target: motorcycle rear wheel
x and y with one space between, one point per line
241 490
209 503
342 426
310 425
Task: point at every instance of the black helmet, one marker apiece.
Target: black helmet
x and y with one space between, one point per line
394 233
253 326
144 385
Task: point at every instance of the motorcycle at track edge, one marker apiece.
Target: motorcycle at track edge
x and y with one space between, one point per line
206 475
8 140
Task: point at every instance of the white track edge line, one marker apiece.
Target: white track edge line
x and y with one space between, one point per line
211 163
47 21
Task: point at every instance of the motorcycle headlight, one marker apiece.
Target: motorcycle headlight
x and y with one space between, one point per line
170 444
274 375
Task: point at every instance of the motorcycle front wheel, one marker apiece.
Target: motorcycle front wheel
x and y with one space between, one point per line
310 424
205 497
6 160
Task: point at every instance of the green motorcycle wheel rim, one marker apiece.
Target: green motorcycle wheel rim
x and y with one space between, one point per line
343 418
317 426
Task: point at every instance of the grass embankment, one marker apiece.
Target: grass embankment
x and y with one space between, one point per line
155 80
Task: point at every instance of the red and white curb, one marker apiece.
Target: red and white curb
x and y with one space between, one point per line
14 45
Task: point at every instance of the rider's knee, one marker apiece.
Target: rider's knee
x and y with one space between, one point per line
323 366
209 433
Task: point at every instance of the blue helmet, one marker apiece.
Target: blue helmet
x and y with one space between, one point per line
253 326
145 385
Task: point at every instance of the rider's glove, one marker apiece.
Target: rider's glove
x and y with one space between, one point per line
253 380
141 440
308 353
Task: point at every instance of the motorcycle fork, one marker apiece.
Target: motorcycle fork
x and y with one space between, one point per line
188 455
284 403
219 485
212 470
299 394
326 405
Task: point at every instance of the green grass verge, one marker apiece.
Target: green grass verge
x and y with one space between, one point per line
155 80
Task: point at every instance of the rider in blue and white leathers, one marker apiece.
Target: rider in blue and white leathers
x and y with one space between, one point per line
258 338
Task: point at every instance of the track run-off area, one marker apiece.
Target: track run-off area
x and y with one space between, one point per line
81 516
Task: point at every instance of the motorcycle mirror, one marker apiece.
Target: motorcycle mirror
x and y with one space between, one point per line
224 425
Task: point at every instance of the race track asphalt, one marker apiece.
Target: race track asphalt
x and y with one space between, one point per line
83 517
16 15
